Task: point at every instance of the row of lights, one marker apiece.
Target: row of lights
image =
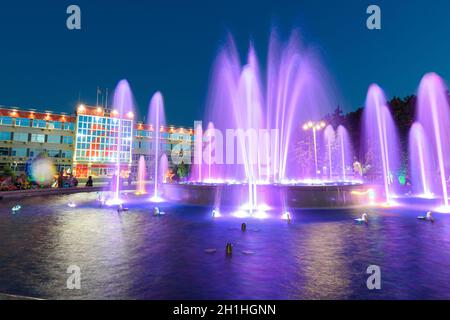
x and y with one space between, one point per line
314 125
82 108
14 113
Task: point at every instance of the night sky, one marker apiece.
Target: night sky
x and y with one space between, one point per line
170 46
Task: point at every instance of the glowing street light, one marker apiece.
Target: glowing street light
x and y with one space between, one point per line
315 126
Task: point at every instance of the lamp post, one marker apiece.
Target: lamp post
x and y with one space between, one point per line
314 126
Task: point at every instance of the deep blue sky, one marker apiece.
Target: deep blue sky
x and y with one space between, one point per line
169 46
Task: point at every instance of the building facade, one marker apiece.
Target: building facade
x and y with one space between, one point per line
87 142
26 134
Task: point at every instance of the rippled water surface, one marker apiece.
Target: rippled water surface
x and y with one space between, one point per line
322 254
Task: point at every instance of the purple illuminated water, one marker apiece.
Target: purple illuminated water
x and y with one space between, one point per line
420 161
123 104
329 147
344 153
381 144
264 114
433 113
140 188
157 119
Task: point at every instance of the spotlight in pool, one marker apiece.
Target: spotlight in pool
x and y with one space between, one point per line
113 202
286 216
216 213
71 205
16 208
260 215
428 195
443 209
156 199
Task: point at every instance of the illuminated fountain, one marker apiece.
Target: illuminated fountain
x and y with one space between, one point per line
381 144
345 152
140 188
420 161
433 114
329 141
123 104
157 119
246 157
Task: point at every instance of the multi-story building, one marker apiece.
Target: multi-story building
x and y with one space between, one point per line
27 134
87 142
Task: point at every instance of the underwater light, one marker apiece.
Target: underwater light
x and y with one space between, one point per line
113 201
443 209
216 213
71 205
156 199
16 208
286 216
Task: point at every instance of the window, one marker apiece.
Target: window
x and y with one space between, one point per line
66 154
35 137
20 136
19 152
4 152
68 126
67 140
55 125
35 152
39 123
53 153
53 139
5 136
23 122
6 121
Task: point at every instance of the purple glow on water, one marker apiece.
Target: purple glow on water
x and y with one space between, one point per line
433 113
381 143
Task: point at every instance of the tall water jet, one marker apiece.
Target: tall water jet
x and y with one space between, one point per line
123 107
420 161
140 188
157 120
433 113
329 140
265 117
163 167
345 151
381 144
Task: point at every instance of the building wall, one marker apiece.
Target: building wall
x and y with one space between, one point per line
27 134
86 142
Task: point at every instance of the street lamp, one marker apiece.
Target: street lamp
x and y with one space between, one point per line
314 126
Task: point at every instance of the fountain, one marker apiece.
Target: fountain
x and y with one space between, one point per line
247 156
420 161
433 114
345 152
123 104
329 140
140 188
157 120
380 142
